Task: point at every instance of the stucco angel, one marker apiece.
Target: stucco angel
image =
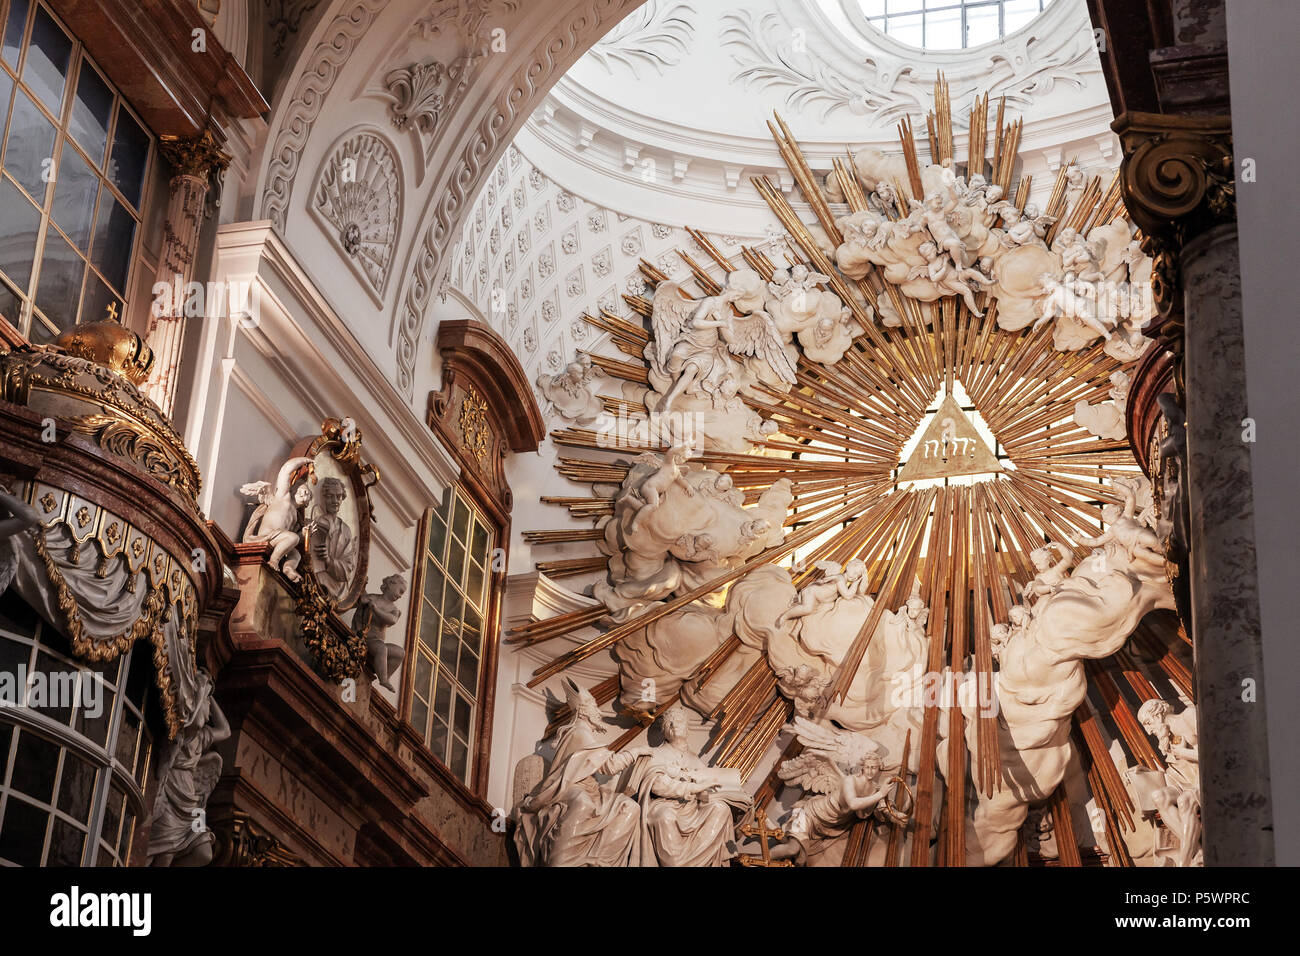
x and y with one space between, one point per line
695 341
835 583
1050 576
275 520
842 776
572 391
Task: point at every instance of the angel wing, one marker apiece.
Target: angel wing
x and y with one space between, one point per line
758 335
261 490
846 748
672 309
810 772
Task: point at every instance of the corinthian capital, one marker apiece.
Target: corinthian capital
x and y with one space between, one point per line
194 155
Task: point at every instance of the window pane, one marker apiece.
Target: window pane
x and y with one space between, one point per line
467 670
438 739
130 150
34 766
13 654
1016 13
76 788
74 198
453 610
66 843
474 583
459 763
59 291
100 302
873 8
943 29
128 827
456 561
48 56
423 672
461 724
14 31
479 543
96 728
904 6
127 733
442 703
6 94
460 524
981 25
419 715
450 643
473 634
112 815
22 833
437 535
6 734
90 113
433 582
114 234
28 155
907 29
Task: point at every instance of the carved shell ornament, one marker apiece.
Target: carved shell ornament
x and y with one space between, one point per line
358 195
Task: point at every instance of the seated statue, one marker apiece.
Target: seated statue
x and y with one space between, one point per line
686 806
569 819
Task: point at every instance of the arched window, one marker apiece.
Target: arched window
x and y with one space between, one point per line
75 747
950 24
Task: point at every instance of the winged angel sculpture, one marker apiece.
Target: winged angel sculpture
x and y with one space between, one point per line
843 777
694 343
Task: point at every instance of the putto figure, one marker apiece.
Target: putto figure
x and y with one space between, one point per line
375 614
276 519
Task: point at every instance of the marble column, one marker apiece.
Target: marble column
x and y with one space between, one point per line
1236 809
1179 187
194 161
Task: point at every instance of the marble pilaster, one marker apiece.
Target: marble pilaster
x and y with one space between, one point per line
1236 807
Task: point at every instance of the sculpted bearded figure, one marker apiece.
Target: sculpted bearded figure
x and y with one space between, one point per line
1176 793
676 526
570 819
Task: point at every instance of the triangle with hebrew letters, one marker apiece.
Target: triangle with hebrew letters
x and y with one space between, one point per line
949 447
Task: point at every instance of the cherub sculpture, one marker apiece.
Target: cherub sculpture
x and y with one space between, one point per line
571 391
835 583
656 486
1128 537
374 615
842 776
1050 576
276 519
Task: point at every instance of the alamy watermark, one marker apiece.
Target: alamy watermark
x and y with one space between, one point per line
52 690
